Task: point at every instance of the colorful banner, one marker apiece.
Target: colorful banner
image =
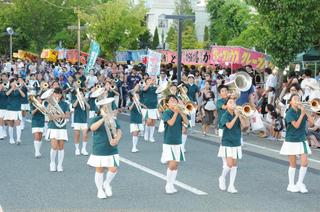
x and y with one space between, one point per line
153 63
237 55
94 52
50 55
225 56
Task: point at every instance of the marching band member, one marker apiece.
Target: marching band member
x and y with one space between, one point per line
3 109
80 124
136 125
91 102
25 106
192 91
104 152
221 107
13 115
37 123
57 135
296 143
172 149
151 113
230 147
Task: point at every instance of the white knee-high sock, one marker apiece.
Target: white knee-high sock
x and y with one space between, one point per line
225 171
18 128
1 132
134 142
151 131
302 174
53 154
36 146
84 145
174 176
11 133
146 133
77 146
109 177
60 157
98 179
233 174
291 174
39 145
169 176
184 140
5 128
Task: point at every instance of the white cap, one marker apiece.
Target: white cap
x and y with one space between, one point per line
190 75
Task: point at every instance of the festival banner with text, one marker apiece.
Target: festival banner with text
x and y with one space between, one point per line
94 52
153 63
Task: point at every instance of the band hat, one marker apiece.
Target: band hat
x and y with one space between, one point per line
191 75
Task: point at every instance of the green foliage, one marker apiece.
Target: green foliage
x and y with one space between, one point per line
189 38
172 38
155 41
116 24
228 19
292 27
145 40
206 34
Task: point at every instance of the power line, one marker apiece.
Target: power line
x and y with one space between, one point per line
57 6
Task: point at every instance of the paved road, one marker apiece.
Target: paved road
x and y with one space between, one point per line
27 184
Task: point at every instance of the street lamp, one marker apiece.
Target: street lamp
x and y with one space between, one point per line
10 33
180 19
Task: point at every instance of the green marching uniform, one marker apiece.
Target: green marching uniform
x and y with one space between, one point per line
296 139
135 119
172 144
191 93
103 154
54 132
13 106
25 106
231 138
93 107
221 111
80 116
37 120
150 100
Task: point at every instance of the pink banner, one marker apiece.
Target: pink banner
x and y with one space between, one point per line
237 55
225 56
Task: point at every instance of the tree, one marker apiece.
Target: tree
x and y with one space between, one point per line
228 19
116 25
189 38
155 41
172 38
206 34
145 40
292 27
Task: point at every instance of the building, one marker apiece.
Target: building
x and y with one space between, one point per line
156 10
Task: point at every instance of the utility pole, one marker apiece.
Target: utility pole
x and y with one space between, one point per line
10 33
78 28
180 19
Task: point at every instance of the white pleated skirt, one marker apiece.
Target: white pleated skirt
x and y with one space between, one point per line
220 133
104 161
58 134
136 127
13 115
161 126
172 153
37 130
2 113
295 148
25 107
230 152
150 113
80 126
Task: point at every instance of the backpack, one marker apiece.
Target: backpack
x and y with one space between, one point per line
278 124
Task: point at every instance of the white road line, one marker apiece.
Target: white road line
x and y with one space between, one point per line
161 176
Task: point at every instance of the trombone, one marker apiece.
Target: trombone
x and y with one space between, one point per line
80 97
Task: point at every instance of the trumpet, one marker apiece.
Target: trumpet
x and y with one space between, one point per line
44 86
78 82
184 97
53 108
19 85
245 110
185 109
6 85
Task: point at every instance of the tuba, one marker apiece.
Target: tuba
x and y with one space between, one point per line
242 82
107 113
164 90
33 100
53 107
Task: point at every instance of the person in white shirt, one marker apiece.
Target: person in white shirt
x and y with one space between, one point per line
270 85
91 79
306 84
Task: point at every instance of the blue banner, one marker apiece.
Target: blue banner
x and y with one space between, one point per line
93 55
